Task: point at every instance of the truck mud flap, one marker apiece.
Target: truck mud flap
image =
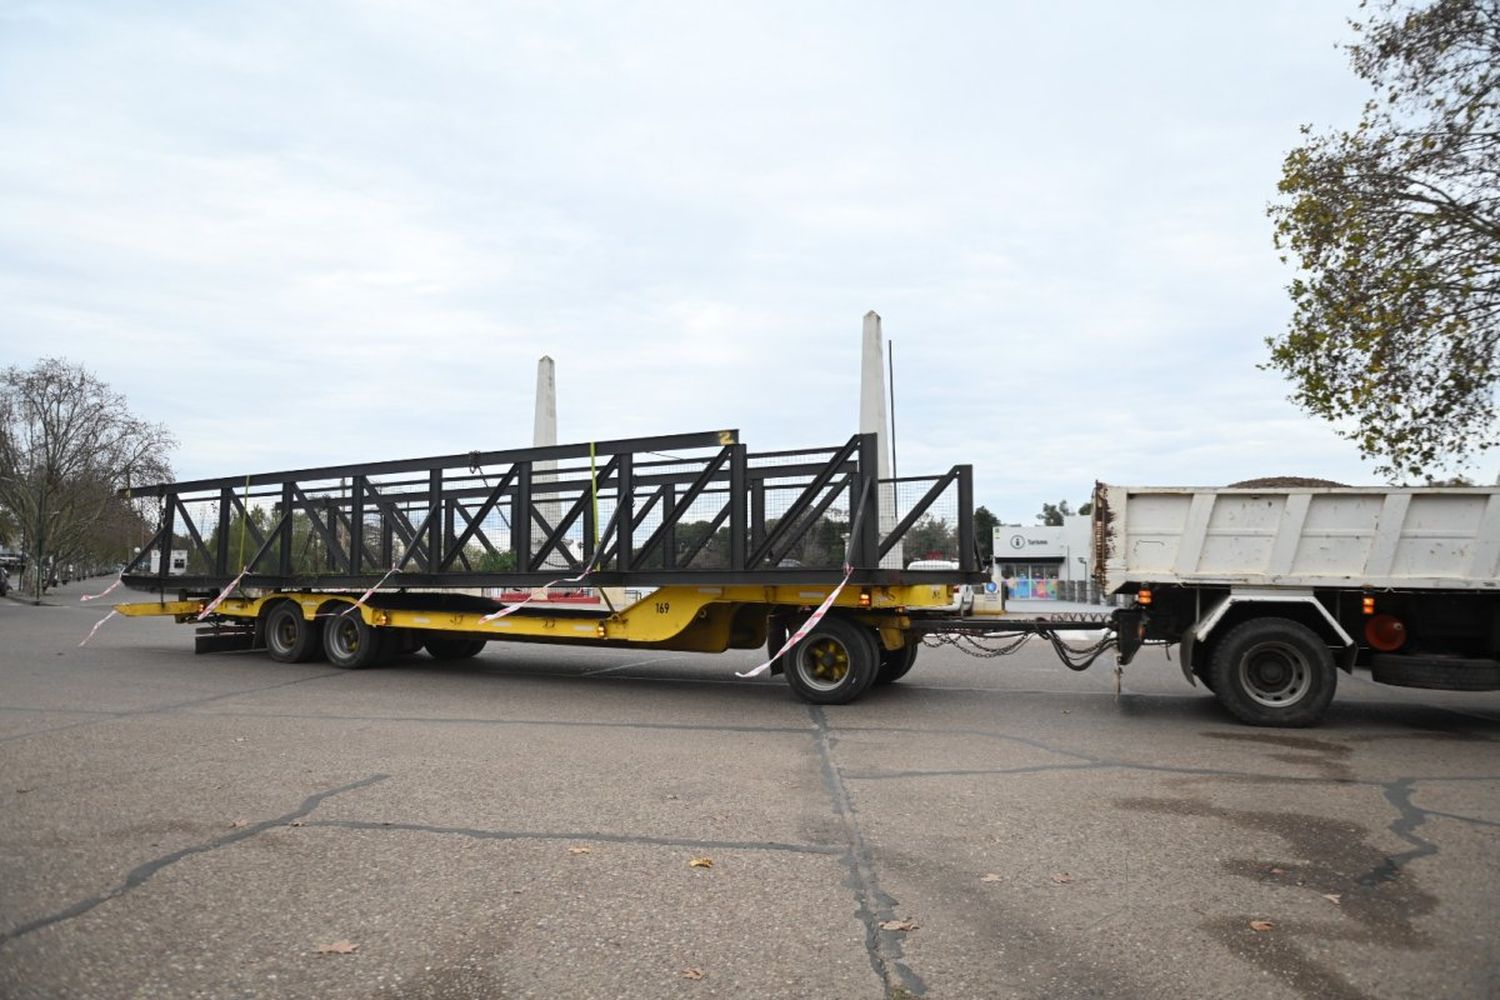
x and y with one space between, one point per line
1130 632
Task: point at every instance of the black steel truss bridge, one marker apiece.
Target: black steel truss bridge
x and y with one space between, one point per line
678 509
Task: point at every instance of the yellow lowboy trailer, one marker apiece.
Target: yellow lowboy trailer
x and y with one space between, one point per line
720 548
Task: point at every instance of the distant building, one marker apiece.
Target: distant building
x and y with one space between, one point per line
1033 560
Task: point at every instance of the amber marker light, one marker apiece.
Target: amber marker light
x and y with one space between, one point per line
1143 596
1369 604
864 597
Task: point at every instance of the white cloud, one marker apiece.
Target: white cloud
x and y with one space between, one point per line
371 219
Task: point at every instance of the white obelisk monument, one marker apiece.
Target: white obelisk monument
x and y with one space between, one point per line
543 435
872 421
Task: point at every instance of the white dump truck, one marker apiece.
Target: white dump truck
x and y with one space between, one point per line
1271 591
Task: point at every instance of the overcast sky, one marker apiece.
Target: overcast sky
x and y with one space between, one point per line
314 233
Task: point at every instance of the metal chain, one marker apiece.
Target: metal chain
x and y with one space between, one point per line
974 645
991 646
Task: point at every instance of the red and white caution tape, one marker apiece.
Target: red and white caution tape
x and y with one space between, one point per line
537 592
378 584
96 627
94 597
807 626
222 594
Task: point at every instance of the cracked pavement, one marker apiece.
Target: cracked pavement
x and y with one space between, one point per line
523 825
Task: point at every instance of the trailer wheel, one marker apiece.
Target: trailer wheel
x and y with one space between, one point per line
834 663
352 643
453 649
290 638
894 663
1273 672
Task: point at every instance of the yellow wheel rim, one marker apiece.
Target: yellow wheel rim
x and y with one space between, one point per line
823 663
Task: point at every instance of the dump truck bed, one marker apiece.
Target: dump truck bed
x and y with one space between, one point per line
1309 537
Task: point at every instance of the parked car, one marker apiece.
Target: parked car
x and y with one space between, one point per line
962 593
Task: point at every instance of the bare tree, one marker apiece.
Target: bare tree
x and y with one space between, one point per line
67 444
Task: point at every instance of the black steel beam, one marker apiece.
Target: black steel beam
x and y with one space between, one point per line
794 532
699 484
804 499
918 509
488 505
187 520
561 452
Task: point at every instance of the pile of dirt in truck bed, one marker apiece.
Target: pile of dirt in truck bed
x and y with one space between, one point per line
1281 482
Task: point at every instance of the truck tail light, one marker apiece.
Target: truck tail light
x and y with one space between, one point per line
1385 633
1143 596
1369 604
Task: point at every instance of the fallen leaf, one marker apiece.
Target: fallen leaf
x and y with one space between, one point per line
239 823
1262 925
1278 871
897 925
989 877
1061 878
693 973
337 948
296 822
580 850
23 791
1336 898
701 863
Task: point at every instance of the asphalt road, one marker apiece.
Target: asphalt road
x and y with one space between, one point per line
526 825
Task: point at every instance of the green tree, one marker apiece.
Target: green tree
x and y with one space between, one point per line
1053 513
985 523
931 538
1395 224
485 561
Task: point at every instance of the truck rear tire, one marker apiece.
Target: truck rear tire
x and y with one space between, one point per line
834 663
1435 673
352 643
442 648
1273 672
894 663
290 638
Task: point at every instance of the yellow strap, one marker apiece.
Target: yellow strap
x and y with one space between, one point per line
594 489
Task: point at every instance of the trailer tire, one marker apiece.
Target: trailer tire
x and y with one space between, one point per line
352 643
1273 672
291 638
443 648
894 663
833 664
